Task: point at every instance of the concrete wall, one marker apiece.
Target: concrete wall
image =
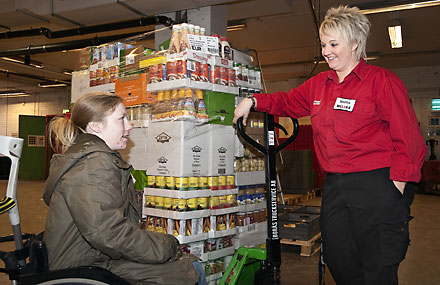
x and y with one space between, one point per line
39 104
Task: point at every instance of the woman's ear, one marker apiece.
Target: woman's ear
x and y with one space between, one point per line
94 127
354 46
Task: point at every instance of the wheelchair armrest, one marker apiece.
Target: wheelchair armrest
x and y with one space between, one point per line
77 274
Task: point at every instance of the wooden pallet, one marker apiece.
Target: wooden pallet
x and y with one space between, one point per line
291 199
308 247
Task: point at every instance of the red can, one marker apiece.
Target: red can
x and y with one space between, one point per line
181 69
215 74
172 70
223 76
155 73
194 70
204 72
231 77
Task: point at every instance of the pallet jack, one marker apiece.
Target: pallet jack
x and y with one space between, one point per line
259 265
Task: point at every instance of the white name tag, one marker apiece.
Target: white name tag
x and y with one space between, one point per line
344 104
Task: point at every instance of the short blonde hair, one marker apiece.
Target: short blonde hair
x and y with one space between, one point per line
92 107
351 24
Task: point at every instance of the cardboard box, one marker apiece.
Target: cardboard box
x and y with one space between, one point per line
177 148
220 107
133 90
221 150
135 152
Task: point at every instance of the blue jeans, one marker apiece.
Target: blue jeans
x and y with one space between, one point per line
201 272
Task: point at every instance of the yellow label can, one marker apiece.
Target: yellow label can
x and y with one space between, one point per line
182 183
203 182
192 204
168 203
158 201
160 182
170 182
149 201
151 181
193 183
202 203
213 182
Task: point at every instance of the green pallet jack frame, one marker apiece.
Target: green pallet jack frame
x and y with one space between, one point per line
257 265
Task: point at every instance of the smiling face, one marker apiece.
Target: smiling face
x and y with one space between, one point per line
340 56
114 130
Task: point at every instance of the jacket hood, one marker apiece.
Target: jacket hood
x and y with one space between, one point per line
62 163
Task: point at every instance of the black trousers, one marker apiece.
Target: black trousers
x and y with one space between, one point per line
364 225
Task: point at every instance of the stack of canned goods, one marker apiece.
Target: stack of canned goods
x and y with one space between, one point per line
177 204
250 194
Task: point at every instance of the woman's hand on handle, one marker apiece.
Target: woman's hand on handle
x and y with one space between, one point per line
243 109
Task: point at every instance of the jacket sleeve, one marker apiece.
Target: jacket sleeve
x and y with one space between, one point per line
395 108
294 103
97 205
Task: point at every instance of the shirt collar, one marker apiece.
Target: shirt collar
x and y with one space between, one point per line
358 71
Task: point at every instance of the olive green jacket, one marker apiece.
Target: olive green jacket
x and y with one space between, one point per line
93 219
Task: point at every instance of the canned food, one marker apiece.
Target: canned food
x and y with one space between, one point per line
151 181
203 182
193 183
231 200
202 203
204 72
222 182
172 70
158 202
192 204
181 69
230 182
168 203
214 202
215 74
223 76
156 73
149 201
160 182
182 205
213 182
222 201
170 182
231 77
182 183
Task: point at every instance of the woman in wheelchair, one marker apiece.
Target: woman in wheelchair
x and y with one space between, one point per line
93 218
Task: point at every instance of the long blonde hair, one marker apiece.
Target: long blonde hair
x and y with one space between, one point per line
92 107
351 24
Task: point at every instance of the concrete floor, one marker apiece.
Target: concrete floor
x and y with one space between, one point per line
420 267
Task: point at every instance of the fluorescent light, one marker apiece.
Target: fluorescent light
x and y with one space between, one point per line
51 84
13 93
236 25
21 60
409 6
395 32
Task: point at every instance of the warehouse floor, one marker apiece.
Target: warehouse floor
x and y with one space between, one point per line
420 267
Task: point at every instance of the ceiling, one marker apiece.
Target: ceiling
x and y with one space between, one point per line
282 33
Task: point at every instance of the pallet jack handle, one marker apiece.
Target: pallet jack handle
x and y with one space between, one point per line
271 267
261 148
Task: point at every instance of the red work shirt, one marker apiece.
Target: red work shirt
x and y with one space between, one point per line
365 122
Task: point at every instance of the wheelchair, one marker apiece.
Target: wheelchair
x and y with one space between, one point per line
28 263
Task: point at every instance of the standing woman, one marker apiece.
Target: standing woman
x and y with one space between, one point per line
93 217
368 140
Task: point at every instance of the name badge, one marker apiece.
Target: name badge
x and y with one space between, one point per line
344 104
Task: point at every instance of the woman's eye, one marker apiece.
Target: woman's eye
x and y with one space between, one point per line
333 45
